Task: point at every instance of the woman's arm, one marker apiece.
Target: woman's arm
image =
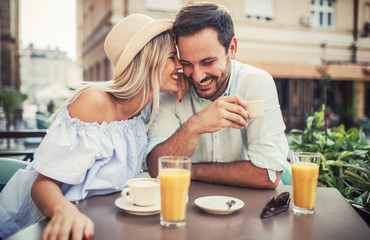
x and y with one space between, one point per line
65 219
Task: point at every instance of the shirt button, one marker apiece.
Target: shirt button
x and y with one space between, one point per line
117 188
98 155
133 155
70 148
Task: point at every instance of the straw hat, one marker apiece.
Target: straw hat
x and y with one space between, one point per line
129 36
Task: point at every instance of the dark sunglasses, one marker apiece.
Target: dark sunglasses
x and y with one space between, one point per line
276 205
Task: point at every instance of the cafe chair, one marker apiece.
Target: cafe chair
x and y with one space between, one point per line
286 177
8 166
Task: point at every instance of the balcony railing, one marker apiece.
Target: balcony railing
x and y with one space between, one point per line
28 154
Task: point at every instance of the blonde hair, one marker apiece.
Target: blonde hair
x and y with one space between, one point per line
143 73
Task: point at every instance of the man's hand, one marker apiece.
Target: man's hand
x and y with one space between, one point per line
226 111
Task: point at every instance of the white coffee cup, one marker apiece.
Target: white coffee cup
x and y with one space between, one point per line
255 109
142 191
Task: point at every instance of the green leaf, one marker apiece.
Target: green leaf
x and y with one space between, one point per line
329 142
345 154
360 169
339 143
309 122
354 135
337 163
360 152
363 139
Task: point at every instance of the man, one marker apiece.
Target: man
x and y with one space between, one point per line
211 124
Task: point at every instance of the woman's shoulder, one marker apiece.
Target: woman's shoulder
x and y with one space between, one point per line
92 105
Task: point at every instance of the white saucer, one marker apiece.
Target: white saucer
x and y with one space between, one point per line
136 210
217 204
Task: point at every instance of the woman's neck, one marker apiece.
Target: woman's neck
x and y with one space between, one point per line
133 106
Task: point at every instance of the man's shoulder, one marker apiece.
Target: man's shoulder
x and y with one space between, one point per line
250 81
246 70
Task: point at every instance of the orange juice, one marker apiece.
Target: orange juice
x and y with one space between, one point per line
304 176
174 192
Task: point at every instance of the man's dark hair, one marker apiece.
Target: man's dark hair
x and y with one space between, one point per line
197 16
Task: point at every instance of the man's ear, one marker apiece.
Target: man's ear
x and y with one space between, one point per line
233 48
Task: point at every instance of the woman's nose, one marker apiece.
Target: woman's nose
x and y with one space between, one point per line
178 65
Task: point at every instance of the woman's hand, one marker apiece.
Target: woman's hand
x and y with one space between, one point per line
183 85
66 221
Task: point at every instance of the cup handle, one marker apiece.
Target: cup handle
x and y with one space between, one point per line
126 193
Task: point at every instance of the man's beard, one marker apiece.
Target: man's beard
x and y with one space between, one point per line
220 86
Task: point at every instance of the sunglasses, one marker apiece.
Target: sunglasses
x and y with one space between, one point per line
276 205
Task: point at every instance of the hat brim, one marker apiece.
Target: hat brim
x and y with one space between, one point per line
138 41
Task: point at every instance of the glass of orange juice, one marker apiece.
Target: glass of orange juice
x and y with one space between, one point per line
305 173
174 176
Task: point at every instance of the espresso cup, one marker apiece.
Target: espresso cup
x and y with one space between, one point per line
255 109
142 191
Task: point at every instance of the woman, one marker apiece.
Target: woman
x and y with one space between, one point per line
96 141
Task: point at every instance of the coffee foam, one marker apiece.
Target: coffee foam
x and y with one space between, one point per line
144 183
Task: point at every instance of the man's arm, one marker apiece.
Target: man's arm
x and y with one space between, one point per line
229 111
224 112
239 173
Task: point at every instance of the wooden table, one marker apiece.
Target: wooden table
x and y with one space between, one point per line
334 219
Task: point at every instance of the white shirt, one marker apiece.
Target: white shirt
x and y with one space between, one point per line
88 158
263 141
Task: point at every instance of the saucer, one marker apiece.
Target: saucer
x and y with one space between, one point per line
136 210
217 204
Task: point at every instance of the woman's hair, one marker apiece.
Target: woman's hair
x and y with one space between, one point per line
197 16
143 73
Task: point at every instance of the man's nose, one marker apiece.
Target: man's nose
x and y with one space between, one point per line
198 74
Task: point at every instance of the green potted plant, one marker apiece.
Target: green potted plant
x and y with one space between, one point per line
345 158
11 101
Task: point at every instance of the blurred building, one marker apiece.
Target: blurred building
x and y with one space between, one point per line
318 51
9 32
43 68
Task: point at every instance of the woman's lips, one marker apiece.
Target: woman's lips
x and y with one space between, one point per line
174 76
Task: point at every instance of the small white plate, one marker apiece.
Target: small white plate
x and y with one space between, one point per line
136 210
217 204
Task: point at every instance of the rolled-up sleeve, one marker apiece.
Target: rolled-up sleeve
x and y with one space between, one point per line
267 143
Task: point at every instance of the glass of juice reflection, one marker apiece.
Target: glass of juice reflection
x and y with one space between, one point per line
174 175
305 172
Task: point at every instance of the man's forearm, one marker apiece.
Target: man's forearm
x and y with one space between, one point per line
181 143
238 173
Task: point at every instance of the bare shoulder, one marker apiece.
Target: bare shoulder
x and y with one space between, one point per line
93 105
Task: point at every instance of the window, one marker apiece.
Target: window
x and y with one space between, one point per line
97 72
107 66
322 13
163 5
262 10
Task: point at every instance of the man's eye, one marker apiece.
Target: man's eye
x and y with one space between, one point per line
185 64
207 63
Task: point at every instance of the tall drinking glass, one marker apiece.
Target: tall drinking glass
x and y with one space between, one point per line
305 172
174 175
